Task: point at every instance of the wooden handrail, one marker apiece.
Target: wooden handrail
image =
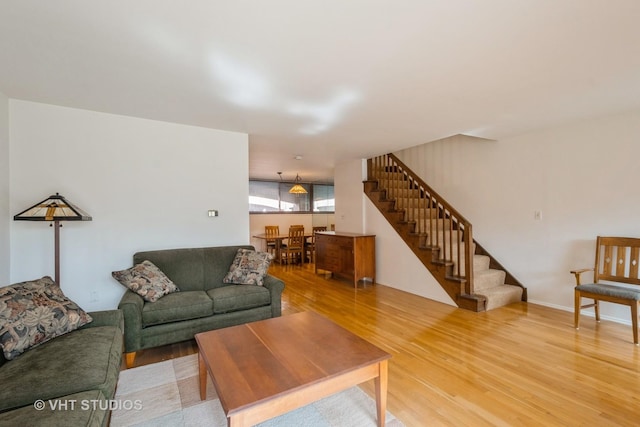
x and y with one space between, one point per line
394 176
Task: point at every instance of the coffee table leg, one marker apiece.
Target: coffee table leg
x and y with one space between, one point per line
381 393
202 377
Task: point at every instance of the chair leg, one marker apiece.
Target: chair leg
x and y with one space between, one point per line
596 304
576 310
634 321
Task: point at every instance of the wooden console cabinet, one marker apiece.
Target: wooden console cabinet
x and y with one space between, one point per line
350 255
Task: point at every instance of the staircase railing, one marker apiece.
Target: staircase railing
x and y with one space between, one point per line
435 219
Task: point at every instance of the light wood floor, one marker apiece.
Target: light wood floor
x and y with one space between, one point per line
523 364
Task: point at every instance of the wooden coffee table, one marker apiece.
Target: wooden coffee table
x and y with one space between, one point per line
267 368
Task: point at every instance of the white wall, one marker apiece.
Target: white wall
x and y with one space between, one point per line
349 194
147 185
582 177
5 213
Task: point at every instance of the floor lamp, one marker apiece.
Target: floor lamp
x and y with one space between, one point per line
54 209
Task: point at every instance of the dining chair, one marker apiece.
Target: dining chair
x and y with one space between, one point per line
270 232
295 245
310 244
284 242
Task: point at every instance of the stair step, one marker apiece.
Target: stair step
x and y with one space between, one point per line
421 212
425 225
444 250
488 278
404 193
391 179
481 263
405 202
502 295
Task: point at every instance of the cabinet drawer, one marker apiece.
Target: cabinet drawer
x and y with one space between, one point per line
337 242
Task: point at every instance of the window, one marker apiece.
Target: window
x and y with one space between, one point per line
323 199
274 196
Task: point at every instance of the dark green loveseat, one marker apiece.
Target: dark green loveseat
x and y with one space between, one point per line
73 375
203 303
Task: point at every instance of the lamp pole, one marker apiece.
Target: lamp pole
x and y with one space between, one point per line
56 225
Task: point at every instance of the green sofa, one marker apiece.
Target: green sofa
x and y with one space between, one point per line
203 303
74 375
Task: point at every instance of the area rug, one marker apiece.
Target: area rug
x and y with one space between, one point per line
167 394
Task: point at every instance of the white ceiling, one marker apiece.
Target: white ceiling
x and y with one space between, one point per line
330 80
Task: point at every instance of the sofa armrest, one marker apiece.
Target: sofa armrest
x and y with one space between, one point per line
105 318
275 286
131 305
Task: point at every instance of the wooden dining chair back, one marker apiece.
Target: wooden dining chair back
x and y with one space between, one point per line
310 244
270 232
295 245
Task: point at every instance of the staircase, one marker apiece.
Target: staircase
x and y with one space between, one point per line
440 237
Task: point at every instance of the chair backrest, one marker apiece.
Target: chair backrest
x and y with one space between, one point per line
617 259
296 237
315 230
271 231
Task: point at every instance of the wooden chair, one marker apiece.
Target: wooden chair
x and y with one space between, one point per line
271 231
617 260
310 245
295 245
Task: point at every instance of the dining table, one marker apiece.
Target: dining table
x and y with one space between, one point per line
279 238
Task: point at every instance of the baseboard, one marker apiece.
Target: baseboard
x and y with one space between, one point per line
589 313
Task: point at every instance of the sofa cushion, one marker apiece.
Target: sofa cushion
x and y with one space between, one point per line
176 307
238 297
34 312
89 409
146 280
85 359
216 264
248 268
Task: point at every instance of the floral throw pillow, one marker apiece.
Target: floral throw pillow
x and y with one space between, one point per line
248 268
34 312
146 280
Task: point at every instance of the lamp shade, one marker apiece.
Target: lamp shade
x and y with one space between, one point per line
297 188
53 208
